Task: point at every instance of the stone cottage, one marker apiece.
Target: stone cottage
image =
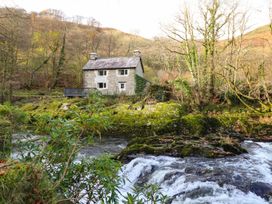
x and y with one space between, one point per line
117 75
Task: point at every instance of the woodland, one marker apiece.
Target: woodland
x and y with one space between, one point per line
210 91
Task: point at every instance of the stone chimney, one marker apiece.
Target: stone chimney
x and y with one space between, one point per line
93 56
137 53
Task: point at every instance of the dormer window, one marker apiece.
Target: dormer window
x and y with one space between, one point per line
123 72
102 72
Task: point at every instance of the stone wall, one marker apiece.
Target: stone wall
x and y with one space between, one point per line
112 79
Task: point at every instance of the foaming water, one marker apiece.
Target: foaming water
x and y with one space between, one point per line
242 179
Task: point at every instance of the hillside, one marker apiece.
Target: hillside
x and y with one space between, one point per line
259 39
52 51
261 32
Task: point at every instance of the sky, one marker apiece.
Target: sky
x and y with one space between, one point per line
142 17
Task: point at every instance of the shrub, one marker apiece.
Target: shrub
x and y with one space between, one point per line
199 124
5 137
159 92
24 183
14 114
129 120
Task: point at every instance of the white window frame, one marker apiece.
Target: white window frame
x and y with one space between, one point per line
105 72
120 86
125 70
104 85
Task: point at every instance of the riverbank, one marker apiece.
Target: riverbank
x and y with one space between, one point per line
157 128
71 126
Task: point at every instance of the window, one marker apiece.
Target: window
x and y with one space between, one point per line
102 72
101 85
123 72
122 86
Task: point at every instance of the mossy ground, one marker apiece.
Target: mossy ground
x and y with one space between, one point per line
162 128
137 119
192 134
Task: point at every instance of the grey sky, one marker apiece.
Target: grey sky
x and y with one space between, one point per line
143 17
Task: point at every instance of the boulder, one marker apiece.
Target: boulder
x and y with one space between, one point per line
261 189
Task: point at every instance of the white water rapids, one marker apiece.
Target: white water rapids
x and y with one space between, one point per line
243 179
240 179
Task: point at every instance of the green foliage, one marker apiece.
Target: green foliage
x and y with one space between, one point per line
68 129
93 124
98 178
129 120
140 84
62 144
85 113
149 193
159 92
97 118
14 114
5 137
24 183
182 86
10 119
230 119
199 124
57 153
40 122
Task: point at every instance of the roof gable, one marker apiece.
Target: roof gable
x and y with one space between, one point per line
113 63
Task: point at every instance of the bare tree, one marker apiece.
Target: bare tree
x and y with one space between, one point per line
256 86
188 47
198 43
94 35
11 40
111 43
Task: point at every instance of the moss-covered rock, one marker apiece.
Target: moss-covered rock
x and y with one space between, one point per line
131 120
141 119
199 124
213 146
255 126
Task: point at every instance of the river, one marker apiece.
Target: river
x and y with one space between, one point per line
243 179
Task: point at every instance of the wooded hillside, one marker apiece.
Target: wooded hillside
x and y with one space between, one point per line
47 50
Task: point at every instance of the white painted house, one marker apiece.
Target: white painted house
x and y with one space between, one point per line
117 75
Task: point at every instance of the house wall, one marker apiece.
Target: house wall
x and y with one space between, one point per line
139 70
91 78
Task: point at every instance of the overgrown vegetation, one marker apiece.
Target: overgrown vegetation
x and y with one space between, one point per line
225 100
159 128
140 84
47 50
230 67
45 168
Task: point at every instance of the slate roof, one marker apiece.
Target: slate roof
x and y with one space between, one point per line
113 63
